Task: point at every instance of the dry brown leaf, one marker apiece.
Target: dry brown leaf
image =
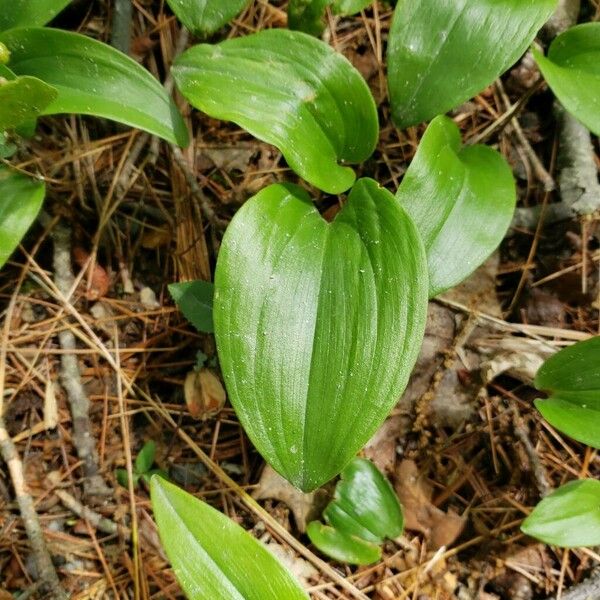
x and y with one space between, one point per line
99 281
438 527
304 507
204 393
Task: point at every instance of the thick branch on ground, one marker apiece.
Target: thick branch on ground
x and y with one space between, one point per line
46 573
83 438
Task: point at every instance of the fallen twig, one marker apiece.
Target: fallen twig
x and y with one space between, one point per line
83 438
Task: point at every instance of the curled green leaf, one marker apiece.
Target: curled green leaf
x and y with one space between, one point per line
304 312
443 52
298 94
572 70
22 99
461 200
93 78
213 558
569 517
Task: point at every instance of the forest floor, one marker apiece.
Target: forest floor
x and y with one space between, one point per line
465 449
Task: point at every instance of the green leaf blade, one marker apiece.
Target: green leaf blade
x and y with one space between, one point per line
93 78
22 99
145 459
195 300
461 200
203 17
299 95
301 332
28 13
569 517
572 69
213 558
341 547
441 53
21 198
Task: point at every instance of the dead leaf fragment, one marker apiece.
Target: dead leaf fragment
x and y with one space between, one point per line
440 528
204 393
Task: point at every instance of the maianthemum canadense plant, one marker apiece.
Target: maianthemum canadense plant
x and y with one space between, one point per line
318 324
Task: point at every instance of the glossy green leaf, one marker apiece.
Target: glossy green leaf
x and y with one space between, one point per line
572 69
461 200
342 547
572 379
443 52
23 99
568 517
195 301
318 324
292 91
203 17
365 504
145 459
213 558
93 78
21 198
28 13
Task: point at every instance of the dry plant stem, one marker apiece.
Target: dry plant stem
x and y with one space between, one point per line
83 439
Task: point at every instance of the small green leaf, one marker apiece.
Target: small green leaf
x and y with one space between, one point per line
213 558
203 17
350 7
441 53
307 15
461 200
572 70
572 378
365 504
22 100
318 324
298 94
21 198
345 548
4 54
93 78
123 478
145 459
569 517
28 13
195 301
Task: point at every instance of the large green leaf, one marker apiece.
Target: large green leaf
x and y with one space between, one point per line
213 558
568 517
23 99
28 13
195 301
342 547
461 200
290 90
443 52
203 17
572 379
21 198
572 69
93 78
318 324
